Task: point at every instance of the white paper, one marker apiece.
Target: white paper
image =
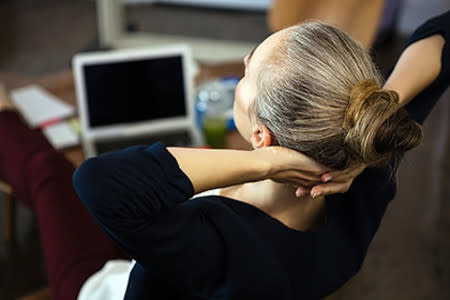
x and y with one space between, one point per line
38 106
61 135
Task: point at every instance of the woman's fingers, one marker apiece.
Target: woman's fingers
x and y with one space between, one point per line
330 188
301 191
337 181
344 175
308 177
323 189
298 181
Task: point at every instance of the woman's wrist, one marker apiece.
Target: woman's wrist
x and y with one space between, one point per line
288 166
264 164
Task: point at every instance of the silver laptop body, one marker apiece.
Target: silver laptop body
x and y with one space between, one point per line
135 96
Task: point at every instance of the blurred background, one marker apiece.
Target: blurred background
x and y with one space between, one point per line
410 255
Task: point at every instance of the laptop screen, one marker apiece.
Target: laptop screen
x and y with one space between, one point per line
134 91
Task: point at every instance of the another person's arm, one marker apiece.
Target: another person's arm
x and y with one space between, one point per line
418 66
422 74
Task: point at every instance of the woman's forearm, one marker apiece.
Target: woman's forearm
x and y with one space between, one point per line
418 66
209 169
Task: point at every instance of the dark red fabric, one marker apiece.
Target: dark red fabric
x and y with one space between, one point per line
74 246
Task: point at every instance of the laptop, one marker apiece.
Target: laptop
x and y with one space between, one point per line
135 96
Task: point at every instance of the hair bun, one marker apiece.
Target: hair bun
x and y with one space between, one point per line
375 125
362 95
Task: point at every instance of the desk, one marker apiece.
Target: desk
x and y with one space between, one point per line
61 84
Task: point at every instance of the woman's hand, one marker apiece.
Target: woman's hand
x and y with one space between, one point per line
333 182
310 177
291 167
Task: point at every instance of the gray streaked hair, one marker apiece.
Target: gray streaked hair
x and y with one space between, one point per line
320 93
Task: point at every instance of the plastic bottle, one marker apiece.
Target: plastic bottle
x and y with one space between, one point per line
214 109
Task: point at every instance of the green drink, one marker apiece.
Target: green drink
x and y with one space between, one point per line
214 130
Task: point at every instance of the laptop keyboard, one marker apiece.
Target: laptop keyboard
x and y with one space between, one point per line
169 139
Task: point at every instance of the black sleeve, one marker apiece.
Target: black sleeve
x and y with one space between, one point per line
423 103
138 196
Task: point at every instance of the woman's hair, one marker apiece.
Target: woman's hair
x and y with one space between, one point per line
321 95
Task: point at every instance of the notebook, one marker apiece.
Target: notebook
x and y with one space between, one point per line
135 96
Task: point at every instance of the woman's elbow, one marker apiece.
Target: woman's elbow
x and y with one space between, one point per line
88 182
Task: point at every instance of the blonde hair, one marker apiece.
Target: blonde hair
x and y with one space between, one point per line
320 94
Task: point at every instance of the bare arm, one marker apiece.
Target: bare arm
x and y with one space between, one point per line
210 169
418 66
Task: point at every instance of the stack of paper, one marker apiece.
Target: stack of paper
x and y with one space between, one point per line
40 108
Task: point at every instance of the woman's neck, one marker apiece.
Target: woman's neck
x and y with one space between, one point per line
279 201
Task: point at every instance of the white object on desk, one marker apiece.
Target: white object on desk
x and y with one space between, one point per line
38 106
61 135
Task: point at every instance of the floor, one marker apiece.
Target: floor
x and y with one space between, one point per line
410 256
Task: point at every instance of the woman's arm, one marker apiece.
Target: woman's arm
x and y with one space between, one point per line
422 73
418 66
139 197
130 188
210 169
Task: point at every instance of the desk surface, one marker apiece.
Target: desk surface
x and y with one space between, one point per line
61 84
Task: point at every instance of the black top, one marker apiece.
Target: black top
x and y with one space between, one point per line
219 248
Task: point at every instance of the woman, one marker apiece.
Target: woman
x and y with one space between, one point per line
310 88
263 236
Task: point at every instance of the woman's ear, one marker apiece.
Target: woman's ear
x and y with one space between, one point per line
261 136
